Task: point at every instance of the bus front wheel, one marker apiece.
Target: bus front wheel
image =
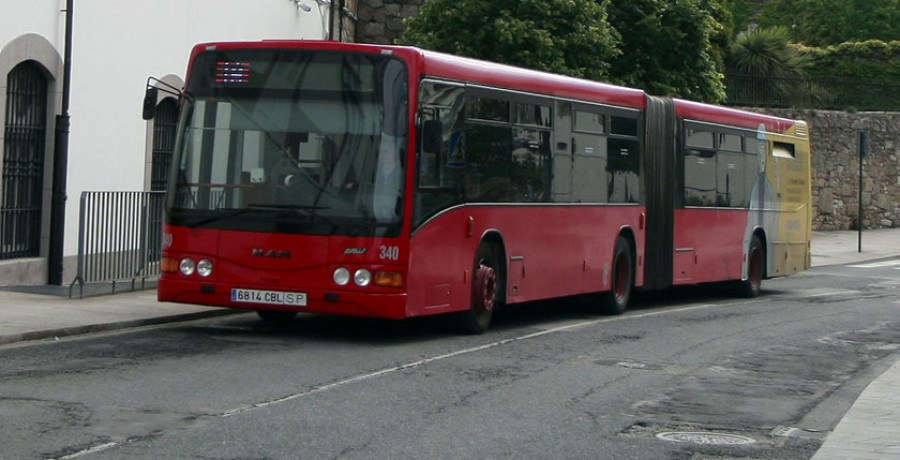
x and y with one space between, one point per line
486 282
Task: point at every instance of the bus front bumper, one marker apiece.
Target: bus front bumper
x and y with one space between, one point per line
250 297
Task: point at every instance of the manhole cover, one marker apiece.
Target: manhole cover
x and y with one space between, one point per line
701 437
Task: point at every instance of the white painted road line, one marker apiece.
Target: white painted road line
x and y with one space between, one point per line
887 263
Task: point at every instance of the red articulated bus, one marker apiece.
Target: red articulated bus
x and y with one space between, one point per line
395 182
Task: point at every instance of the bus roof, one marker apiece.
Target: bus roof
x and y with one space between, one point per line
506 76
442 65
730 116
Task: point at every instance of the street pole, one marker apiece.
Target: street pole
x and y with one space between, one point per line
863 153
60 165
331 7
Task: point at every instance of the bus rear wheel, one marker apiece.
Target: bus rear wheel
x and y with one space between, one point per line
615 301
486 282
751 286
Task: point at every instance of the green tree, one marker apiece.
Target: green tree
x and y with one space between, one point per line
723 28
571 37
744 13
671 48
668 47
832 22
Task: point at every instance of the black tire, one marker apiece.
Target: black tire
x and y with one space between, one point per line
615 301
486 294
756 261
276 316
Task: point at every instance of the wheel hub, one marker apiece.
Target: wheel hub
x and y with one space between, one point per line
485 288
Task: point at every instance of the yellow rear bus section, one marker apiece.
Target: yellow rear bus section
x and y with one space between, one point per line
789 173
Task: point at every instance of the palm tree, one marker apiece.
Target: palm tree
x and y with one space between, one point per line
766 52
763 58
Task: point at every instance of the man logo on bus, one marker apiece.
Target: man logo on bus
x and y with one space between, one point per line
271 253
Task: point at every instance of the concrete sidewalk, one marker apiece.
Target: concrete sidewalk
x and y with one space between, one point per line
842 247
869 430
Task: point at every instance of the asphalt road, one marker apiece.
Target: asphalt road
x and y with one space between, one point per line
760 378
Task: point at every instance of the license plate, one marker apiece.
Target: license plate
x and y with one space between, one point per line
268 297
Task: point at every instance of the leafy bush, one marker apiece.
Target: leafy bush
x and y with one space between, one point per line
870 60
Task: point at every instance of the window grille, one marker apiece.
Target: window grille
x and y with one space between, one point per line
23 162
164 125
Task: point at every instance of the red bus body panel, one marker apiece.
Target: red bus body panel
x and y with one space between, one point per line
709 245
290 263
551 251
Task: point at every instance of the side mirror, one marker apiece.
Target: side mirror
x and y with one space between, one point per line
432 136
150 100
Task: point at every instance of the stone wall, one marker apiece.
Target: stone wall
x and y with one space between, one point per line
835 187
381 21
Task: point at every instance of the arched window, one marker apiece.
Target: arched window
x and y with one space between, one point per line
164 125
23 162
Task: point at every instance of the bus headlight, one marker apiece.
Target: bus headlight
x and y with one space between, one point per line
186 266
341 276
204 268
362 277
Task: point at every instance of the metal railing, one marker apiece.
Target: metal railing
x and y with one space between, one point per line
119 238
811 93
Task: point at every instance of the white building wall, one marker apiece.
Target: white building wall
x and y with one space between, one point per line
20 16
116 45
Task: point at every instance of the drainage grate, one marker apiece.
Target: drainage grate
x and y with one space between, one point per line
803 433
703 437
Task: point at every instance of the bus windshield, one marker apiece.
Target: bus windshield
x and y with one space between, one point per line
292 141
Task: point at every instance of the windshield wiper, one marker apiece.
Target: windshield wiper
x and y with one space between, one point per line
279 207
230 213
311 212
252 207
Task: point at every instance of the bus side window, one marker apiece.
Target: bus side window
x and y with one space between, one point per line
700 169
623 171
733 191
588 168
440 159
699 138
488 147
487 176
530 169
623 166
487 109
700 177
442 105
